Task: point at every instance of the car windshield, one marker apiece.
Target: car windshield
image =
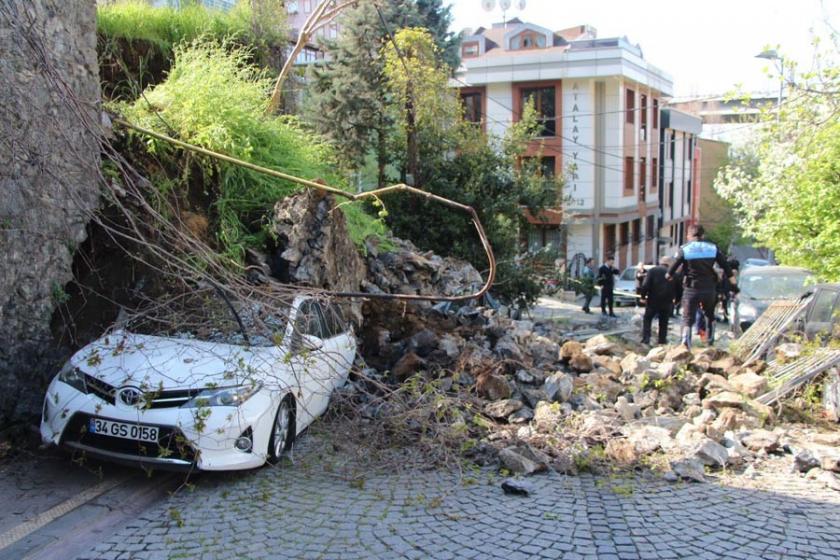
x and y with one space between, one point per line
629 274
206 315
773 286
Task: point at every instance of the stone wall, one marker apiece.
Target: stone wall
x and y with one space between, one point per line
48 171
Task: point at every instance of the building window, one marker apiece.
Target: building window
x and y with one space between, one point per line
673 145
644 115
654 174
637 230
642 178
624 234
528 40
655 114
472 107
628 176
609 241
292 6
545 167
541 237
543 100
307 6
650 228
469 50
630 106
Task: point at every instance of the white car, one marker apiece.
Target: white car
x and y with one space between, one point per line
626 283
183 403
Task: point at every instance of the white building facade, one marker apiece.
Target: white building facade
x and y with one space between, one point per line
599 102
679 187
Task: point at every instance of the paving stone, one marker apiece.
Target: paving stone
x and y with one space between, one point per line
315 515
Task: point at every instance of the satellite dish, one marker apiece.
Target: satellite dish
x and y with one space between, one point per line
521 4
504 5
488 5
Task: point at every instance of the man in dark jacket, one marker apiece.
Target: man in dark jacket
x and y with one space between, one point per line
658 295
698 258
606 279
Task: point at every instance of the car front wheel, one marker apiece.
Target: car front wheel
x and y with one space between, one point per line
282 431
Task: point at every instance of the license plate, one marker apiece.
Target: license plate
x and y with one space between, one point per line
123 430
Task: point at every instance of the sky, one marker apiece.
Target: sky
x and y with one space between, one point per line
706 51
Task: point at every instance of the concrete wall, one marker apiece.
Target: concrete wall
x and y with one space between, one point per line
48 171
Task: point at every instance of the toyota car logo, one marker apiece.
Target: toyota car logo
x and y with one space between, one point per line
130 396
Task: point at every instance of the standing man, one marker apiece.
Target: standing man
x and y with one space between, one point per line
640 277
587 281
606 279
698 257
658 295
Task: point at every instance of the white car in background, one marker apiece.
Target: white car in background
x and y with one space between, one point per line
183 403
626 282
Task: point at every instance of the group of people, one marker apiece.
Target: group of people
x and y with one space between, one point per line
689 280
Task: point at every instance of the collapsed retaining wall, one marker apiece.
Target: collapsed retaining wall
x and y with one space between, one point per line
48 175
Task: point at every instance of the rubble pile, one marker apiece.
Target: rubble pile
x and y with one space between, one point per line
534 401
314 249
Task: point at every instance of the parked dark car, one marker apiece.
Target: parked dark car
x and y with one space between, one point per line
761 285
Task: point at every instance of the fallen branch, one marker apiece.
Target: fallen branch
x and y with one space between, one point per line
375 194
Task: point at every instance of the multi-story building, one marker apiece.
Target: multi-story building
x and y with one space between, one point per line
298 12
679 186
598 101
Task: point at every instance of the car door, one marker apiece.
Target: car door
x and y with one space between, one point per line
821 313
339 345
308 362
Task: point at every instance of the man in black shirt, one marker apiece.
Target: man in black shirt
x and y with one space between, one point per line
606 279
658 295
698 258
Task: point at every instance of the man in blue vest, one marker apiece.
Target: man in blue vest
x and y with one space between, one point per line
698 258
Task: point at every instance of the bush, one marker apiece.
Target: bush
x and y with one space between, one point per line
213 98
137 40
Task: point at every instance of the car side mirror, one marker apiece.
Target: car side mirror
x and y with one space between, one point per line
311 343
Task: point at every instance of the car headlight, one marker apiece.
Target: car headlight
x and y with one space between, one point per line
747 311
223 396
73 376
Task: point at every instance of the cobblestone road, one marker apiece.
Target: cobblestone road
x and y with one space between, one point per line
307 511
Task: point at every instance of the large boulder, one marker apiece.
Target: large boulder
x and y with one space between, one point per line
581 363
749 383
493 387
503 408
313 245
570 349
601 345
523 459
605 362
558 387
633 364
679 353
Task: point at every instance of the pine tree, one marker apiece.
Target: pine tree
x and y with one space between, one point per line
348 97
437 18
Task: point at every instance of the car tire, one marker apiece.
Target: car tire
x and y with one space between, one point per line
282 430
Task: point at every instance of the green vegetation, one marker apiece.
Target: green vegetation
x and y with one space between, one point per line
787 195
137 41
215 99
136 20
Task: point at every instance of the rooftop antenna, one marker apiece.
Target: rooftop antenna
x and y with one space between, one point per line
490 5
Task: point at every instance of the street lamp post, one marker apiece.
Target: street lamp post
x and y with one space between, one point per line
771 54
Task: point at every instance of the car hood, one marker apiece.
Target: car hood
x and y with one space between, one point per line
152 362
628 285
